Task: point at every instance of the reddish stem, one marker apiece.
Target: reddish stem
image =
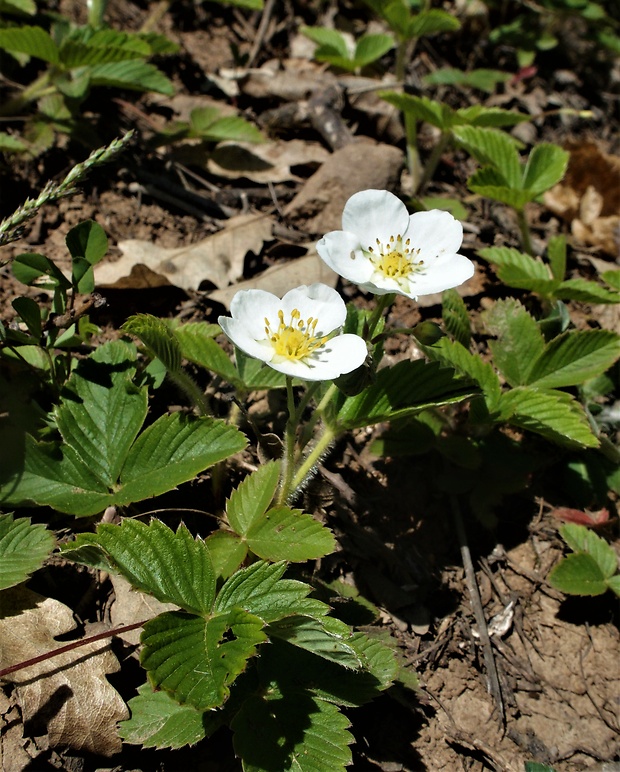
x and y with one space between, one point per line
70 647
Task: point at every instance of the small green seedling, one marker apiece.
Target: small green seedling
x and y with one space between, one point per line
332 47
591 568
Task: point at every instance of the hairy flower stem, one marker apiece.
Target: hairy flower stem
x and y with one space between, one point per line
288 457
383 302
191 391
313 458
70 647
526 236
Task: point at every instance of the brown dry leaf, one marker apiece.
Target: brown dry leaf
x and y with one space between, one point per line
279 279
218 258
358 166
292 80
589 197
13 754
132 606
67 696
270 162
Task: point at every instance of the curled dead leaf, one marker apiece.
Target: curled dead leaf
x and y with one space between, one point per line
68 696
589 197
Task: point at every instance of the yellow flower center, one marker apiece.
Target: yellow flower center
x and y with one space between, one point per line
296 339
395 259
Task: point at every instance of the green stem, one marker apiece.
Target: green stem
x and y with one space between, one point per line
382 303
39 88
433 161
526 236
313 458
414 164
191 390
288 458
96 12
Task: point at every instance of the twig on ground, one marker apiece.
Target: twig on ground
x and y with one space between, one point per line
261 32
493 684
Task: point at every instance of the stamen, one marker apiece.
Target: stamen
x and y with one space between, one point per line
395 259
297 339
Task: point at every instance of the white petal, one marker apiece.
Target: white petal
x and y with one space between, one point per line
319 302
443 274
250 307
375 214
340 355
341 251
239 335
434 233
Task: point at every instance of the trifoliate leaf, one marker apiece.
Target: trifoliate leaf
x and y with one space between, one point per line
197 345
586 292
157 336
33 41
492 147
545 167
289 534
456 355
196 659
23 548
133 74
369 48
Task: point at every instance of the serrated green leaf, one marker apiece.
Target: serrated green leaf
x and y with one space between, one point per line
197 346
158 721
173 567
483 79
329 38
297 734
432 22
289 534
327 637
158 338
101 411
516 269
227 552
553 414
207 123
369 48
84 550
578 574
421 108
519 340
27 7
133 74
545 167
456 355
492 147
456 317
174 450
487 182
74 54
196 659
23 548
403 390
260 589
253 497
573 358
585 292
489 117
556 255
33 41
582 539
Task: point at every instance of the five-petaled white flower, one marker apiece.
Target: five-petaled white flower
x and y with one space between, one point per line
297 335
383 248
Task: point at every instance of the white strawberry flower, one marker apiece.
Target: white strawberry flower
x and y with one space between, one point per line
384 249
298 335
